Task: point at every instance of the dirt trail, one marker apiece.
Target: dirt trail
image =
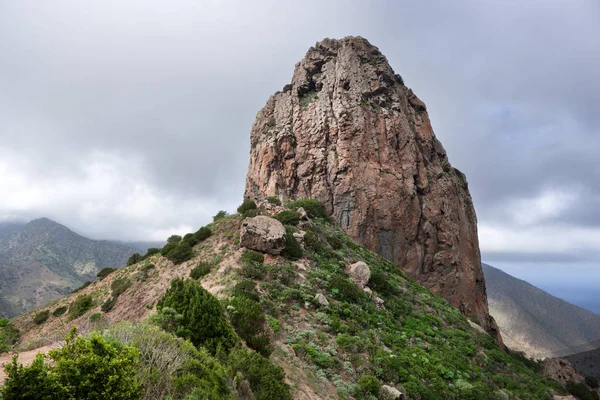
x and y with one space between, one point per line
25 358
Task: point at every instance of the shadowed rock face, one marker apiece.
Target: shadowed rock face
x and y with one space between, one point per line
347 132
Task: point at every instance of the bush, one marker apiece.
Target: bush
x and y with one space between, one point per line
344 288
167 249
144 272
247 289
80 306
313 208
202 319
202 269
95 317
203 234
248 320
180 253
251 256
220 215
246 206
83 368
9 335
252 265
252 213
174 239
60 311
335 242
108 304
172 366
104 272
189 239
119 286
369 384
152 251
266 380
293 250
288 217
41 317
134 259
579 390
592 382
274 200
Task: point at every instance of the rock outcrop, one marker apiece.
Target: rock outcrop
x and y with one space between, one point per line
360 273
263 234
348 132
560 370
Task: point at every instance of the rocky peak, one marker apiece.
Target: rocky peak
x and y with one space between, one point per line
348 132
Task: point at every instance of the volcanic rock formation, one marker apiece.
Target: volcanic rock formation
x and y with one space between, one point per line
348 132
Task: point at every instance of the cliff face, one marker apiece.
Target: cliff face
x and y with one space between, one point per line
348 132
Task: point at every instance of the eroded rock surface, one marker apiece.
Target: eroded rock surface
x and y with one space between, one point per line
263 234
348 132
360 273
560 370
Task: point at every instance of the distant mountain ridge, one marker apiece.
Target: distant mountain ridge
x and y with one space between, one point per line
43 260
534 321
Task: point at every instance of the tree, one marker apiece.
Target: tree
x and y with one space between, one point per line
134 259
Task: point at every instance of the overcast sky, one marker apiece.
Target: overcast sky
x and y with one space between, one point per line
131 119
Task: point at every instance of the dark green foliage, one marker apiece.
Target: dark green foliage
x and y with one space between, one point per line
203 234
174 239
267 381
108 304
202 269
60 311
95 317
344 288
80 306
152 251
252 213
246 206
592 382
180 253
252 265
335 242
202 319
167 248
9 335
368 385
119 286
220 215
92 369
144 272
581 391
189 239
248 320
311 241
134 259
104 272
313 208
274 200
288 217
246 288
41 317
293 250
85 284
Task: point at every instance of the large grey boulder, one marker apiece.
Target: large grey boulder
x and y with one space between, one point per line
360 273
263 234
390 393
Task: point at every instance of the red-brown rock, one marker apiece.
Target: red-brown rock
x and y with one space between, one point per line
347 132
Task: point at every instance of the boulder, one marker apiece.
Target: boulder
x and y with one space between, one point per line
264 234
322 299
390 393
360 273
560 370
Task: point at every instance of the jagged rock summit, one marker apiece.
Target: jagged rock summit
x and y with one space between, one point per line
348 132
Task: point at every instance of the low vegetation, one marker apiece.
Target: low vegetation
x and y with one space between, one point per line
80 306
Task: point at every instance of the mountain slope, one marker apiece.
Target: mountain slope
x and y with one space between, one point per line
324 330
536 322
43 260
586 363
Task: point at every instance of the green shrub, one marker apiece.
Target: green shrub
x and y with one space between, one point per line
93 369
274 200
288 217
581 391
202 269
591 381
41 317
85 284
246 288
203 234
119 286
313 208
144 272
167 249
253 257
189 239
311 240
80 306
293 250
104 272
267 381
246 206
152 251
252 213
202 319
344 288
180 253
369 384
96 317
248 319
9 335
220 215
174 239
252 265
60 311
108 304
335 242
134 259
